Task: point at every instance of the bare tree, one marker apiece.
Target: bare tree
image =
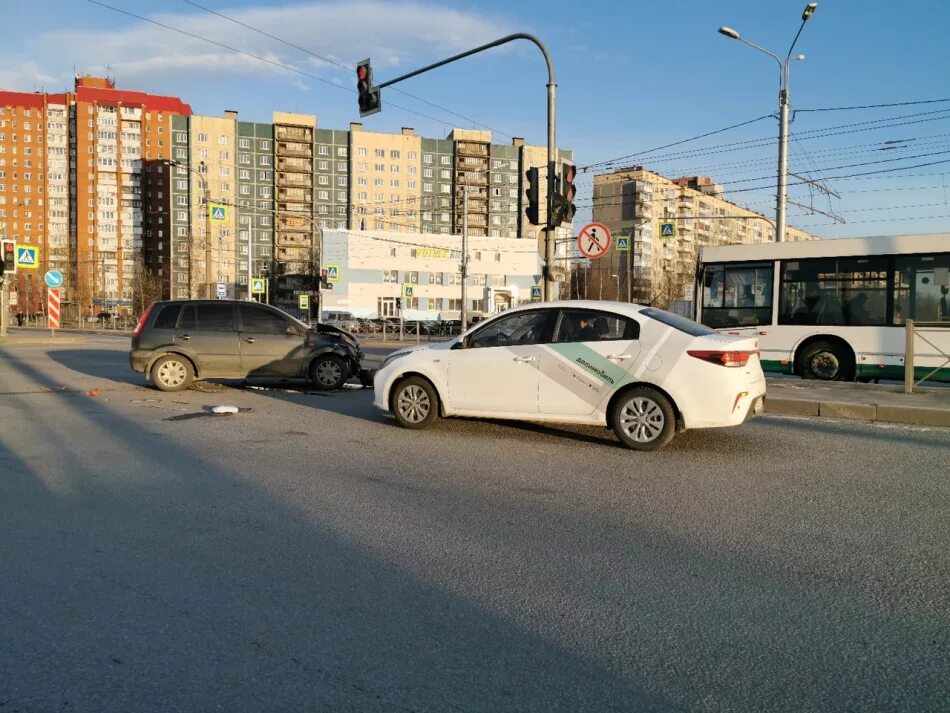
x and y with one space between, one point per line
146 286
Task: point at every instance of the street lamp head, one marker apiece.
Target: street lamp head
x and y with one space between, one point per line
799 57
809 11
729 32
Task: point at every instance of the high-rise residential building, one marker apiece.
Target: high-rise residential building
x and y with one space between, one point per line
386 172
438 193
667 221
333 183
256 206
296 236
504 189
472 174
71 182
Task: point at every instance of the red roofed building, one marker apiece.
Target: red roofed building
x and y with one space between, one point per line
72 184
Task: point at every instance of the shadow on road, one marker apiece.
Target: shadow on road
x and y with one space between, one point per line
142 575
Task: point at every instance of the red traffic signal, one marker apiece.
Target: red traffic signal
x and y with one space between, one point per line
369 100
8 265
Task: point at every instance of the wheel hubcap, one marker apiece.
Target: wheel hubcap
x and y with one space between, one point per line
642 419
825 365
413 404
328 373
172 373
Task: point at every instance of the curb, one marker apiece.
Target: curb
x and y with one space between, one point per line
45 341
913 415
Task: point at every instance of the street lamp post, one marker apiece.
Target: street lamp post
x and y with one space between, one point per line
781 197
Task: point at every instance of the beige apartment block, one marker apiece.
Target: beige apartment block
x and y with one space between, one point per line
213 141
295 240
641 205
387 184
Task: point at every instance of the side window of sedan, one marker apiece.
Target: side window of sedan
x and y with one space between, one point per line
593 326
517 329
261 321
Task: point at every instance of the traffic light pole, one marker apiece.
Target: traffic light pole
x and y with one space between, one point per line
552 113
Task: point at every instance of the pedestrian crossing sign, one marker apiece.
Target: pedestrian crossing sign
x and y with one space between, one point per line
333 273
407 291
257 286
668 229
27 256
219 213
536 293
623 244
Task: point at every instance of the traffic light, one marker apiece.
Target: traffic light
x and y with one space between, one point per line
568 190
369 99
399 303
533 196
9 258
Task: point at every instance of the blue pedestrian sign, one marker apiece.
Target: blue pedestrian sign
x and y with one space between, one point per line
219 213
27 256
667 230
257 286
623 245
53 278
536 293
333 273
407 291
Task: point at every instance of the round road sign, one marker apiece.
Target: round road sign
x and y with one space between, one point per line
53 278
593 240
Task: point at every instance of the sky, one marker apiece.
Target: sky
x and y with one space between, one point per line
632 76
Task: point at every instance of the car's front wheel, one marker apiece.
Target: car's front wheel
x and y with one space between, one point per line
172 373
328 372
414 403
643 419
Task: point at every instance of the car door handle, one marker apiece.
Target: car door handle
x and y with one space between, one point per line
249 340
526 359
619 357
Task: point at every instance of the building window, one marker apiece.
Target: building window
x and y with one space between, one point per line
203 138
323 165
341 181
380 153
323 150
341 151
244 158
341 165
391 276
244 143
223 139
427 158
323 180
427 187
361 151
435 278
446 160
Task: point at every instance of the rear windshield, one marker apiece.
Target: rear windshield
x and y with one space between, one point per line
681 323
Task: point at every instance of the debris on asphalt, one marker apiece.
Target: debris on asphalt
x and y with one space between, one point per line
221 410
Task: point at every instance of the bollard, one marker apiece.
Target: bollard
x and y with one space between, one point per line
909 356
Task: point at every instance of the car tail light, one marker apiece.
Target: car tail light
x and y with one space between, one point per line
138 327
723 358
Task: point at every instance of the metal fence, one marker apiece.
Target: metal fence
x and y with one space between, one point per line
912 332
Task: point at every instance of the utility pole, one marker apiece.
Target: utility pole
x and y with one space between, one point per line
463 318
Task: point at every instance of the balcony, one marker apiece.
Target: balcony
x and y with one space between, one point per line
300 165
295 180
298 225
294 133
469 149
288 148
295 208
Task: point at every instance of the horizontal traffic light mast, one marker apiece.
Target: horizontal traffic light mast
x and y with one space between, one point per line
370 102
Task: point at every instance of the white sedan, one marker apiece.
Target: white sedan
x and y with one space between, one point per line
642 371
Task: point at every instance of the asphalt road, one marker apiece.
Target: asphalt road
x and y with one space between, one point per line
307 554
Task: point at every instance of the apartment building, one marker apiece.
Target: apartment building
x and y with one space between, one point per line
71 182
256 207
296 240
332 171
643 205
438 186
472 173
387 190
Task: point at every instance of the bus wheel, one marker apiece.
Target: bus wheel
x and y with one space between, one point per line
827 361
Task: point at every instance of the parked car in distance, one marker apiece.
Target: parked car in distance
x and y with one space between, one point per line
177 342
644 372
342 320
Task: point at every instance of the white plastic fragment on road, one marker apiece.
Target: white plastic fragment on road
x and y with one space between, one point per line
221 410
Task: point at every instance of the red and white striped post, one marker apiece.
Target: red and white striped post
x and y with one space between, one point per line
52 308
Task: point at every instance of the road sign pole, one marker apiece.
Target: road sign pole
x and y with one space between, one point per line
4 307
463 316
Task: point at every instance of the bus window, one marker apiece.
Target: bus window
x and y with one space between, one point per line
737 295
834 292
922 288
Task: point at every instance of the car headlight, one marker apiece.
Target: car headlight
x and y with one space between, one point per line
391 358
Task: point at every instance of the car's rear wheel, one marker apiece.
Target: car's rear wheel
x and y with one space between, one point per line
643 419
328 372
172 373
414 403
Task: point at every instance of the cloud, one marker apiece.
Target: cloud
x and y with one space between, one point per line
393 33
27 77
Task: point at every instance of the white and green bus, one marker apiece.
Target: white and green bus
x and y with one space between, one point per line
833 309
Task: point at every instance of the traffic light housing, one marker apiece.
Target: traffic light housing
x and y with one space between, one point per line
562 200
399 303
369 99
533 196
9 258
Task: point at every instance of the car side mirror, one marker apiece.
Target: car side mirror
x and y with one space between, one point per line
459 344
292 331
